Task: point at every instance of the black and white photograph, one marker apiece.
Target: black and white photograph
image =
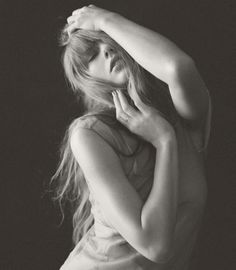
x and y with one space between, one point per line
118 144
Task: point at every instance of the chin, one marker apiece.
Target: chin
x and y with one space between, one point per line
122 78
121 86
121 83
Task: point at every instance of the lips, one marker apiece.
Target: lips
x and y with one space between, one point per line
113 62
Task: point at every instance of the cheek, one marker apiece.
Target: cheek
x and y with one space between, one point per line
121 77
96 69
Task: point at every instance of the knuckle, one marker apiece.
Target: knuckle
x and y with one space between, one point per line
75 12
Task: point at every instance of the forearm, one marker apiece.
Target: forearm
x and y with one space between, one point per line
151 50
159 212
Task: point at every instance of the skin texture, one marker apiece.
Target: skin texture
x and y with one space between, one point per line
169 218
100 66
155 53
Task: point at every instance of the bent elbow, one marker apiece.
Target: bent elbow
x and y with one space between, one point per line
182 63
184 60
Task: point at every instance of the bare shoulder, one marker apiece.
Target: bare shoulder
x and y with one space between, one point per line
84 139
85 121
90 144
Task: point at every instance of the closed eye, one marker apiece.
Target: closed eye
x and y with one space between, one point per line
93 52
92 57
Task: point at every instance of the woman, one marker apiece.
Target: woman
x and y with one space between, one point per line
133 165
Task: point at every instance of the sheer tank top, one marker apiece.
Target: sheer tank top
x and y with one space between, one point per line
102 247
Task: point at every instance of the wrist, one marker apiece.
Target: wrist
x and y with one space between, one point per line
107 18
167 139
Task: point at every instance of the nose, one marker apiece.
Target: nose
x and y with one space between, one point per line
108 51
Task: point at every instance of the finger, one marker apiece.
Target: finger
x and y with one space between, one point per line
75 12
79 10
72 27
116 103
70 19
127 108
120 114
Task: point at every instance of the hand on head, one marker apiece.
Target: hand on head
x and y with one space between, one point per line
87 18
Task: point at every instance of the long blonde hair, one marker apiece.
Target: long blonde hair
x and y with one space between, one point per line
96 95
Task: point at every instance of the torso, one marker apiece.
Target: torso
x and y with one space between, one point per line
191 165
104 247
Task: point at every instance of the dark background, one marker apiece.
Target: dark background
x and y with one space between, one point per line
36 106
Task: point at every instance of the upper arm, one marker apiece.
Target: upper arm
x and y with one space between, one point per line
189 93
118 199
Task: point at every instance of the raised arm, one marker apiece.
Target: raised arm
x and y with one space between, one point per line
158 55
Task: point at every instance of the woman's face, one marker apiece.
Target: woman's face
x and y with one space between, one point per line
105 64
